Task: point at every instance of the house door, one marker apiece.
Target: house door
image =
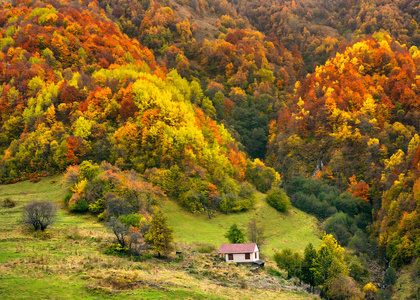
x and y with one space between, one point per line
247 256
230 256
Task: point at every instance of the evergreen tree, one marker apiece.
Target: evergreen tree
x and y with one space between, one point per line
307 273
235 235
160 235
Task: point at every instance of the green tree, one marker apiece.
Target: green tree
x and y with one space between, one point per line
289 261
278 199
160 235
235 235
358 271
131 220
342 226
330 260
307 273
264 178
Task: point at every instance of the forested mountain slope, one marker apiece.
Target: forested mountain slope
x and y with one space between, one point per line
354 124
316 27
75 88
245 73
325 92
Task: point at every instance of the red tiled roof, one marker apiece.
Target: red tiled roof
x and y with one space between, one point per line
237 248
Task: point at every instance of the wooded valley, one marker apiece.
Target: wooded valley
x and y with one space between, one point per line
238 113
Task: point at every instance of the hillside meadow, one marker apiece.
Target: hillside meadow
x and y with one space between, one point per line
68 261
294 229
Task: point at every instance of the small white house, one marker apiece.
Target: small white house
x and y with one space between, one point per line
240 253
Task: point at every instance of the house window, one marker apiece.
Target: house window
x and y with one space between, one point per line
230 256
247 256
255 254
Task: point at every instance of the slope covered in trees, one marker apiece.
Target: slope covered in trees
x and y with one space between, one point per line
244 74
354 124
74 88
181 106
316 27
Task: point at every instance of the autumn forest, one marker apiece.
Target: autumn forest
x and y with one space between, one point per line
214 103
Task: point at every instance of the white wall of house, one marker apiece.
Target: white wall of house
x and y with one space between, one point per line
241 257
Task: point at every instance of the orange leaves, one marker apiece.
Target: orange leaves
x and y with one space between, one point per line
234 37
75 150
239 163
128 134
97 101
228 105
70 94
150 117
358 189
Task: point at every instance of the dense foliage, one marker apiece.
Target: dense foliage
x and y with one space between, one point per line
80 90
204 84
354 124
244 73
326 267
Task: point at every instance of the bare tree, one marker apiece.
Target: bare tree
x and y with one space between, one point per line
39 214
137 243
256 231
127 237
120 231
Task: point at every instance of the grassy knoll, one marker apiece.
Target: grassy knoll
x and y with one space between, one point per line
68 262
294 229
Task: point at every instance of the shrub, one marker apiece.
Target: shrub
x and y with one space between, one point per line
71 175
68 197
206 248
98 207
88 171
358 271
39 214
278 199
343 287
79 206
8 203
115 248
146 256
370 291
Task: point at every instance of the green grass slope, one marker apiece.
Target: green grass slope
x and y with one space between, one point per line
69 263
294 229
